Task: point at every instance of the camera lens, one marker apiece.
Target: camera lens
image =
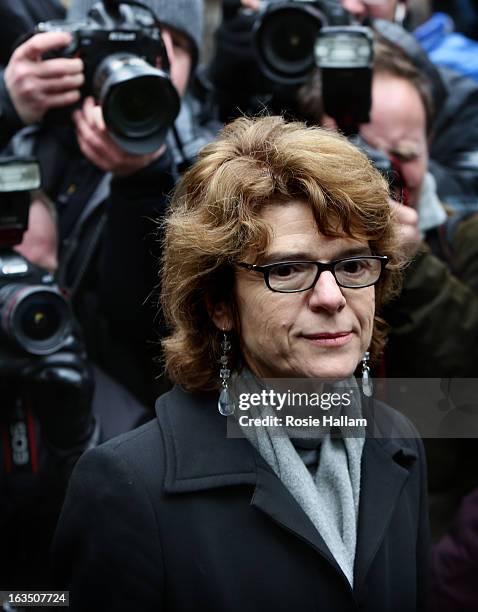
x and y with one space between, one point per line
40 320
285 40
35 318
134 107
139 101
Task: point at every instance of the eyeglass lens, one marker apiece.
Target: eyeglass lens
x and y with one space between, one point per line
348 273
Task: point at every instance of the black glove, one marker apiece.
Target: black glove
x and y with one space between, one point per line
60 389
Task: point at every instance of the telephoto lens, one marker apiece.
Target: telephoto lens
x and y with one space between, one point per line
284 39
139 101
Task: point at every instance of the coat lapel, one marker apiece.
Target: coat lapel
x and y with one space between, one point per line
384 474
273 499
199 456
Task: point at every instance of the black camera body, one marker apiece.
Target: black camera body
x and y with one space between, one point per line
286 33
35 318
293 38
120 45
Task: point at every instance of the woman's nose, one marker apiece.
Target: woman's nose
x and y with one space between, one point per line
327 294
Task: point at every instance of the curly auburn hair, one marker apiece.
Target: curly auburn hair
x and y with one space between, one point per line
215 218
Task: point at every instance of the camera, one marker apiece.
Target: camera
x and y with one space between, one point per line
35 318
120 44
293 38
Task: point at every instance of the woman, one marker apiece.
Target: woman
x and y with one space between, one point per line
274 264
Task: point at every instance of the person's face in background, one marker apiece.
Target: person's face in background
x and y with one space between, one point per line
40 241
372 9
179 53
398 127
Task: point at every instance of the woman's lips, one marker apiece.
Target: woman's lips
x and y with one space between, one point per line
330 339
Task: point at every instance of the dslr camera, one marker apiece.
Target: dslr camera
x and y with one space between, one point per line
35 318
293 38
120 44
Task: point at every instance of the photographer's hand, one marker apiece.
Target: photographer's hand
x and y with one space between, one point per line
36 85
98 146
254 5
61 388
408 232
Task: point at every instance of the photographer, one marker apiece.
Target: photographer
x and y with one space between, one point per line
437 312
453 150
55 405
106 198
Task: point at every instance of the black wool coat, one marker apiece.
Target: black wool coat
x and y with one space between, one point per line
175 516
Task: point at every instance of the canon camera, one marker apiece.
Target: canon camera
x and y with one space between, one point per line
35 318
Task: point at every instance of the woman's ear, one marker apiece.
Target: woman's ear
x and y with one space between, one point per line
220 315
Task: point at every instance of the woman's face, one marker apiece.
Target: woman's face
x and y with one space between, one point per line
319 333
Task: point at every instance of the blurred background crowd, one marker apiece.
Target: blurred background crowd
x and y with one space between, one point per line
96 128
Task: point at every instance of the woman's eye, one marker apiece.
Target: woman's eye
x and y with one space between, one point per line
285 270
282 271
354 267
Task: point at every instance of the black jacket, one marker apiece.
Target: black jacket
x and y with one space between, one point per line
176 516
33 486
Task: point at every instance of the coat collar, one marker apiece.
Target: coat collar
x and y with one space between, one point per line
200 456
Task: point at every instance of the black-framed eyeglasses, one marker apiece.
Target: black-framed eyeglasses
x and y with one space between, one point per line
295 276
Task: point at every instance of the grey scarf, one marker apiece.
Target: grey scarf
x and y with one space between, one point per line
330 496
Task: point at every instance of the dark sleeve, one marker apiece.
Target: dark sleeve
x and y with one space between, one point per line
434 322
128 263
454 144
10 122
464 249
107 550
455 562
423 538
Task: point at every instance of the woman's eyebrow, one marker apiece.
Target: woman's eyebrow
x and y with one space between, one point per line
278 256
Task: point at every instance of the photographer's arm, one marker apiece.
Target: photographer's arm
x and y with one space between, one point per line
10 122
434 322
127 265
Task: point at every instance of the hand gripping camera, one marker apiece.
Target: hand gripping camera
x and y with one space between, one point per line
35 318
121 47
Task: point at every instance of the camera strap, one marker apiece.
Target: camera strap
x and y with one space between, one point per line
19 439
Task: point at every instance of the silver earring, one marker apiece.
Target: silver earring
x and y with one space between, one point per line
367 385
225 404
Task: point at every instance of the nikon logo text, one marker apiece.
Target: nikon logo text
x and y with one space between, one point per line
122 36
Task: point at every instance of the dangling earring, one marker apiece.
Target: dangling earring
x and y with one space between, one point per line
225 403
367 385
